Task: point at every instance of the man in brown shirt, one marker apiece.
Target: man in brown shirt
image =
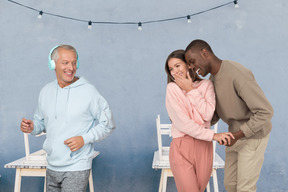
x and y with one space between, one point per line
240 103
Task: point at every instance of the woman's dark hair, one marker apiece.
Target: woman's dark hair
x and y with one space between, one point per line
179 54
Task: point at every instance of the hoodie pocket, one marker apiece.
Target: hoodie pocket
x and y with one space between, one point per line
79 152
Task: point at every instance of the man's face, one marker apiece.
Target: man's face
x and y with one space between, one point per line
197 60
66 67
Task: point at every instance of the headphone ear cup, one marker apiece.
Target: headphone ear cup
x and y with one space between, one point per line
77 63
51 64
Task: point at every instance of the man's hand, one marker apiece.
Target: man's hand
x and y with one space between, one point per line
74 143
238 135
26 126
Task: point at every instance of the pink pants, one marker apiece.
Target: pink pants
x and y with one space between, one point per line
191 163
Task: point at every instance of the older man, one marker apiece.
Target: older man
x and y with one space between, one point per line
74 115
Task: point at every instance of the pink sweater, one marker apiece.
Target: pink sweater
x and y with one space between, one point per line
191 112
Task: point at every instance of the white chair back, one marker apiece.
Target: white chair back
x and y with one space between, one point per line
215 128
39 155
162 130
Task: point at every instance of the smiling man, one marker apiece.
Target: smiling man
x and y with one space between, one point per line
74 115
241 104
66 65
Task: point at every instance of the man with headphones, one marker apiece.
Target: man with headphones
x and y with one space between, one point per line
74 115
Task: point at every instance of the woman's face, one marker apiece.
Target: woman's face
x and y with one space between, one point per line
177 66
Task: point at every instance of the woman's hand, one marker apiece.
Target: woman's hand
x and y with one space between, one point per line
223 138
185 83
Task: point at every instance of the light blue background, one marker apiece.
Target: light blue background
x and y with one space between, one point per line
127 67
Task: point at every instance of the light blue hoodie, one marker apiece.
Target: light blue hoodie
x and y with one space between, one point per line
75 110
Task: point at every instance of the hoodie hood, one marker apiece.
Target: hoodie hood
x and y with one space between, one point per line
79 82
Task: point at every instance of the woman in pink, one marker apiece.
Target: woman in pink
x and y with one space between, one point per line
190 102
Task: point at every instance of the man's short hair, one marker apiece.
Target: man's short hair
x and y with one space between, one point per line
198 44
55 55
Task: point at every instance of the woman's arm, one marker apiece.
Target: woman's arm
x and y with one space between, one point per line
178 114
203 101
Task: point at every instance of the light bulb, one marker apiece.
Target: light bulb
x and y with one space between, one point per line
140 26
89 24
236 4
40 15
188 19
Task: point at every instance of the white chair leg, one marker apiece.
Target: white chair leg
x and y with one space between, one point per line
208 187
17 186
165 180
45 184
161 181
91 186
215 180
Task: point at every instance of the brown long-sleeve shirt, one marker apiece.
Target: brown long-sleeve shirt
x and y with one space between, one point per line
240 102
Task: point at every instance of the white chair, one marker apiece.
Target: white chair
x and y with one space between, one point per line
161 158
35 165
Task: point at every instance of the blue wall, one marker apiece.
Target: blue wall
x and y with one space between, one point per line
127 67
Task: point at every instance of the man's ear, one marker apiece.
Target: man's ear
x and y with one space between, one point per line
204 53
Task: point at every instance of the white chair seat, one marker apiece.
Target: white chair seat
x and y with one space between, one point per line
160 164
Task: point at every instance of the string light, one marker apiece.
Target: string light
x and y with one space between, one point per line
89 24
40 15
188 19
236 4
140 26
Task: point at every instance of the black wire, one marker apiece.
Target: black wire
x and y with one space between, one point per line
123 23
194 14
64 17
23 5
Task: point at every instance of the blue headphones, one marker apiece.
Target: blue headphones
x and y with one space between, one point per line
51 62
